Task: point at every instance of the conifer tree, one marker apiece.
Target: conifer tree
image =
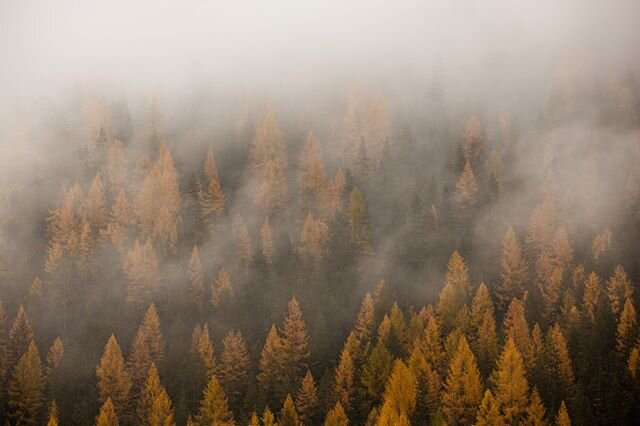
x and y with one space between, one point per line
210 168
627 329
140 266
272 365
559 364
94 206
266 240
619 289
535 411
591 297
311 176
113 380
154 405
561 249
515 327
365 319
345 381
53 417
196 279
242 240
336 416
152 331
473 140
20 337
358 215
268 419
307 399
455 291
489 413
26 388
510 384
462 388
375 372
107 415
431 345
466 195
234 367
54 357
401 389
222 291
204 351
514 270
295 345
314 237
214 409
562 419
288 414
484 340
212 202
138 364
254 421
541 227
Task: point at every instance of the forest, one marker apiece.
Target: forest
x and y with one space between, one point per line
453 248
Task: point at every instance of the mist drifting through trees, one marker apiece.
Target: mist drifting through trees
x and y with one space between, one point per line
319 213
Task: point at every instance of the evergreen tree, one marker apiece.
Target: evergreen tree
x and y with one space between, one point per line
20 337
484 340
203 348
295 346
364 325
344 381
375 372
515 327
401 389
272 365
535 411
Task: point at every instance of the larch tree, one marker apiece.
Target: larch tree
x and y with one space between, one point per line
53 416
152 331
344 387
268 419
242 240
307 399
54 357
376 129
462 392
212 202
365 320
197 290
541 227
314 237
222 291
140 266
549 284
536 412
295 345
203 349
113 380
95 204
591 297
484 339
619 289
214 408
271 365
234 367
515 327
431 345
138 364
375 372
510 384
561 250
336 416
562 419
466 195
154 406
455 291
559 367
312 181
473 140
627 329
107 415
401 389
26 386
266 242
489 413
358 215
288 414
514 270
210 169
20 337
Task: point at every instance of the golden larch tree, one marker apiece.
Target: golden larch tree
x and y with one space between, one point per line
307 399
107 415
26 386
455 291
214 408
619 289
510 384
514 270
489 413
234 366
197 290
113 380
